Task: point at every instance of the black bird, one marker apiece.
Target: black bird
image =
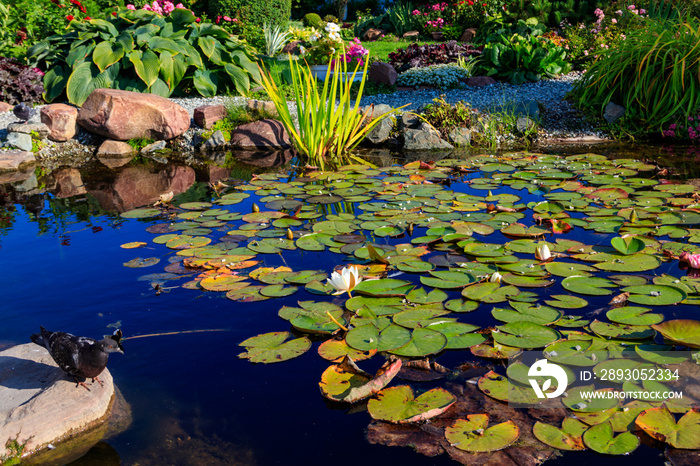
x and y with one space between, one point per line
23 111
79 356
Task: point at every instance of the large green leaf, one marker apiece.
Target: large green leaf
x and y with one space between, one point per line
238 77
206 82
398 405
107 53
55 81
660 424
147 66
85 78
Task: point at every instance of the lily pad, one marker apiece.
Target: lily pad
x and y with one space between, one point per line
422 343
524 334
398 404
473 435
680 331
568 437
345 382
273 347
655 295
601 438
660 424
594 286
633 315
369 337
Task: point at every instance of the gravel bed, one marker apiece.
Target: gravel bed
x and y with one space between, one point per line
559 118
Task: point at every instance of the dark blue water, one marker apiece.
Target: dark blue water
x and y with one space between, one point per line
193 400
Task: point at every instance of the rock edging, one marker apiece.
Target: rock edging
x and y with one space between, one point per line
40 405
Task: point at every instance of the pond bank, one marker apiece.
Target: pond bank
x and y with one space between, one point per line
559 121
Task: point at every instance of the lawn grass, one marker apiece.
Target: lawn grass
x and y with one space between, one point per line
381 49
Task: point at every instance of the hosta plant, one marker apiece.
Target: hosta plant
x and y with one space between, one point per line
519 59
141 51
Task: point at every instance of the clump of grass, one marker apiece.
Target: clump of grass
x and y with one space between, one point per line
139 143
15 452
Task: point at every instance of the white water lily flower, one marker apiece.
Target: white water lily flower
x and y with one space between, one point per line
542 252
345 281
495 277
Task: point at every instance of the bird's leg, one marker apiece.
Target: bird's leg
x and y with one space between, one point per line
80 384
98 379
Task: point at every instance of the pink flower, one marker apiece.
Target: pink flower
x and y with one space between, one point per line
130 7
226 18
198 20
631 7
618 12
614 21
235 20
218 19
147 7
181 6
415 12
168 8
693 260
642 11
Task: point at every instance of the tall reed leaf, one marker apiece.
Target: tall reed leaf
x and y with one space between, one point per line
654 74
330 127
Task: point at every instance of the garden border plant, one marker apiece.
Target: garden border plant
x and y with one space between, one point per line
141 51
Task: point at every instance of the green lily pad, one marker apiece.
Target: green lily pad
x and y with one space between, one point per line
594 286
448 279
601 438
422 343
398 404
627 245
660 424
568 269
273 347
655 295
473 435
384 287
141 213
659 354
633 315
621 331
680 331
369 337
524 312
568 437
459 335
565 301
524 334
489 292
140 262
345 382
576 400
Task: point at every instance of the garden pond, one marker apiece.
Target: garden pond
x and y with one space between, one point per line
241 252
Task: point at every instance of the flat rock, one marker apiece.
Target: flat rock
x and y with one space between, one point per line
40 404
154 147
411 35
262 134
373 34
424 139
21 141
262 106
613 112
124 115
382 73
468 35
215 142
479 81
112 148
206 115
460 136
28 128
61 120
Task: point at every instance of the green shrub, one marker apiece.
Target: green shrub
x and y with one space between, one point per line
519 55
330 19
252 14
445 117
312 20
138 50
552 12
653 74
